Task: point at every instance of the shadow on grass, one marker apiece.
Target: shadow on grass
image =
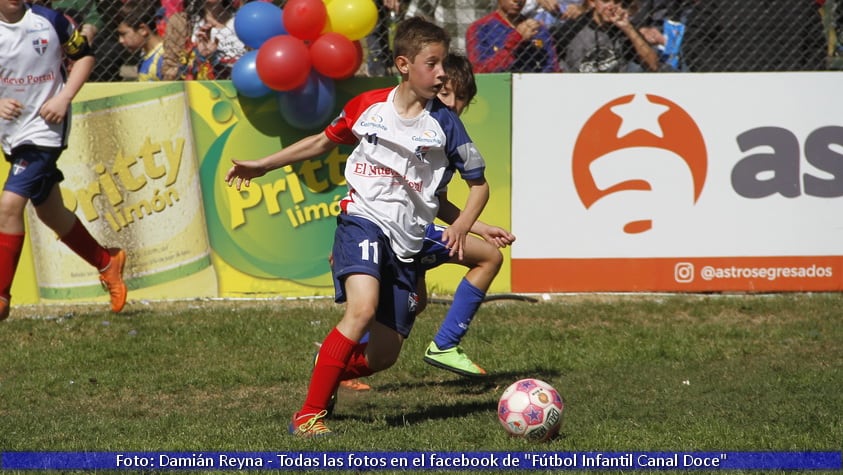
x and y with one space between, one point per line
459 387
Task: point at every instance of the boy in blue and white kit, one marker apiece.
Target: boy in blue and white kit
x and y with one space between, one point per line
408 145
35 96
137 32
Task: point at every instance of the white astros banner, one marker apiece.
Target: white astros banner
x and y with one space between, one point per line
677 182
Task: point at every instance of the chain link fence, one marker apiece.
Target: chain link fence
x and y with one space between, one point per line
714 35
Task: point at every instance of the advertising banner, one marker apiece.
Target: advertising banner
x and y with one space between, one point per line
677 182
131 177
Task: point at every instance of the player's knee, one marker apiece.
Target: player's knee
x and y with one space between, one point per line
492 261
356 320
361 311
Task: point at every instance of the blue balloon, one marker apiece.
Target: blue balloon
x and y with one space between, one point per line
256 22
311 105
244 76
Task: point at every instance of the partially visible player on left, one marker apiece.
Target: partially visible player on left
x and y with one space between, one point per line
35 96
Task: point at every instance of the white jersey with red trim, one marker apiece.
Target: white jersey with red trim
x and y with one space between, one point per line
32 71
399 164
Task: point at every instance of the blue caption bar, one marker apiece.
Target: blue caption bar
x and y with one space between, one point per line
452 461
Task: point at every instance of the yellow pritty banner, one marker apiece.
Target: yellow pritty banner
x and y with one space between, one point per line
131 178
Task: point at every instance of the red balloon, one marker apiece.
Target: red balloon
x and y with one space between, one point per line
336 56
305 19
283 63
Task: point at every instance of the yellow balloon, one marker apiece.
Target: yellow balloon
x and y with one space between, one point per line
354 19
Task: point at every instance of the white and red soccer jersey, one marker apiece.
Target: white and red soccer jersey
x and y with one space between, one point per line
399 164
32 71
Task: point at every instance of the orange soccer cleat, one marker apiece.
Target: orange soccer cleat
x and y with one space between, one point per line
112 279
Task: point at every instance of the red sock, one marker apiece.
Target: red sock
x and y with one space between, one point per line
333 357
11 246
80 241
357 366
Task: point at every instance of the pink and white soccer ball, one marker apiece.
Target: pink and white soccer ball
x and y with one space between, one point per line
532 409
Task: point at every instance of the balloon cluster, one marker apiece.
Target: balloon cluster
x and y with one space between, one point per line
299 51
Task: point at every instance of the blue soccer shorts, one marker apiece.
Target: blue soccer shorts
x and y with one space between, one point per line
361 247
33 172
434 253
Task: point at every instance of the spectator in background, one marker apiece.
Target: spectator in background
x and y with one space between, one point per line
137 31
558 16
88 17
200 42
608 41
755 35
455 16
506 40
662 23
172 7
553 12
379 59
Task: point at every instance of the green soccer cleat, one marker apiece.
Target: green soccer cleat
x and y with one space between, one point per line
308 426
452 359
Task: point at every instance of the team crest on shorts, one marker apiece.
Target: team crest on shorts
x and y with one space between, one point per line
413 302
40 45
19 167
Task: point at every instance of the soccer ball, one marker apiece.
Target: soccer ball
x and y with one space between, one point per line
532 409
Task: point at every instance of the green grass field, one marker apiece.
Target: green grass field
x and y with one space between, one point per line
637 373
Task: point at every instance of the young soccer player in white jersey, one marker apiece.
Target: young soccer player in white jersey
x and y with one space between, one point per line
35 97
480 256
408 145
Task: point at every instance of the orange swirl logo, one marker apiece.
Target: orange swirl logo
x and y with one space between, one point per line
636 121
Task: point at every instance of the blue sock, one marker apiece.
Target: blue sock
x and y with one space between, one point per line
467 300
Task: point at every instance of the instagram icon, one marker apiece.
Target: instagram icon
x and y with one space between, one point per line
683 272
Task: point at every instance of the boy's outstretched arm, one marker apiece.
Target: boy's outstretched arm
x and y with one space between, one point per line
241 173
454 235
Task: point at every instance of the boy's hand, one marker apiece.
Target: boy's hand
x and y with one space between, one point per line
241 173
454 238
498 236
10 109
54 109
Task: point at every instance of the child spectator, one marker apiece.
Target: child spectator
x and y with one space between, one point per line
200 42
609 42
662 23
505 40
137 31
